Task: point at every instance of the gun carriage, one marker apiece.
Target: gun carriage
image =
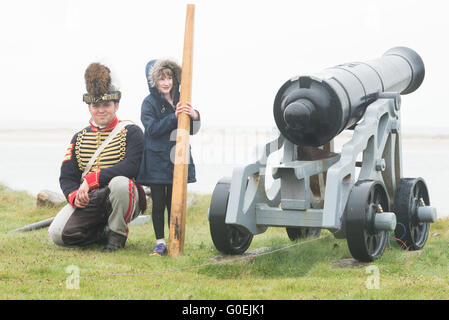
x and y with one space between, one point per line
359 193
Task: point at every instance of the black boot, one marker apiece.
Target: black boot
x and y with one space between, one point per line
115 241
102 237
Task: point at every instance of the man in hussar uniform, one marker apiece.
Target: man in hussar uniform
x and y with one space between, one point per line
105 197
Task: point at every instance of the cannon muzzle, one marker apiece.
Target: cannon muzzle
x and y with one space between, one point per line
312 110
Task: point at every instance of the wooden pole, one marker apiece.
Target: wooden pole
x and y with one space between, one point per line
179 195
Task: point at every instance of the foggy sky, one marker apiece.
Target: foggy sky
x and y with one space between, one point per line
243 52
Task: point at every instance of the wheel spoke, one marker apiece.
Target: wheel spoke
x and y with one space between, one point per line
371 196
368 243
371 245
415 191
420 232
376 197
414 234
231 236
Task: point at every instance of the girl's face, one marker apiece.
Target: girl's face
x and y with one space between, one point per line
165 82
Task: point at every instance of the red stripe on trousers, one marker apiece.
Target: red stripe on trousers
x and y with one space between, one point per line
131 200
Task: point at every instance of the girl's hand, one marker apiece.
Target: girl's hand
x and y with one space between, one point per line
187 109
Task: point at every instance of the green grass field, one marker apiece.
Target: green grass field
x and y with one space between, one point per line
31 267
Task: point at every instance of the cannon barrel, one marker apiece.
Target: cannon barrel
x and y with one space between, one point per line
312 110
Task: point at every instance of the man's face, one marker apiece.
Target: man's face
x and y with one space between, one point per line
103 112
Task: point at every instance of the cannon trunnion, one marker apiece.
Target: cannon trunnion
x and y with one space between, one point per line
316 188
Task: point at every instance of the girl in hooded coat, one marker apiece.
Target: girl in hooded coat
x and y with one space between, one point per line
159 115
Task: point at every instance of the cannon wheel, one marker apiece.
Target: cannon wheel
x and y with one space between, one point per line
411 233
295 233
364 242
228 239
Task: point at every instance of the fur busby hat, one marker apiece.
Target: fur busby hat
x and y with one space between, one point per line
99 85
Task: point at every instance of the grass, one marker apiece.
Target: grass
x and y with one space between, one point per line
31 267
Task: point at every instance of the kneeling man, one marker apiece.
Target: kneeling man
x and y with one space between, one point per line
97 176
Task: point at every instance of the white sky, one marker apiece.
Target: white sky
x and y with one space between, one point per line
243 52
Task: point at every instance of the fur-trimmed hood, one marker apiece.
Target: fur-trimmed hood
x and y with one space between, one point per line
154 66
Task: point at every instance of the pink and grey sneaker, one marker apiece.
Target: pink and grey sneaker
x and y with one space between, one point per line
159 249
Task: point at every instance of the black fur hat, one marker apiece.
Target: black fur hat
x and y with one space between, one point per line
99 85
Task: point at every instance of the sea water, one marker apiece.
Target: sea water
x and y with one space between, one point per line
31 160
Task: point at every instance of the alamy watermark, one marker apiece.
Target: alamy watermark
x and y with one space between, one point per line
232 146
73 280
373 280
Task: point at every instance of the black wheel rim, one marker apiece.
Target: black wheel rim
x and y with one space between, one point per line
295 233
418 230
228 239
364 241
238 240
412 233
374 240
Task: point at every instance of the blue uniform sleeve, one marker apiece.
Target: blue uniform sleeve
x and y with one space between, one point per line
70 175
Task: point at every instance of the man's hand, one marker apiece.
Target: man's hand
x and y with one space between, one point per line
82 197
187 109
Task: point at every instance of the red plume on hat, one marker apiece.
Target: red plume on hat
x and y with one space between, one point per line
99 85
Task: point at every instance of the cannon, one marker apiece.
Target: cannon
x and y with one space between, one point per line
358 193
